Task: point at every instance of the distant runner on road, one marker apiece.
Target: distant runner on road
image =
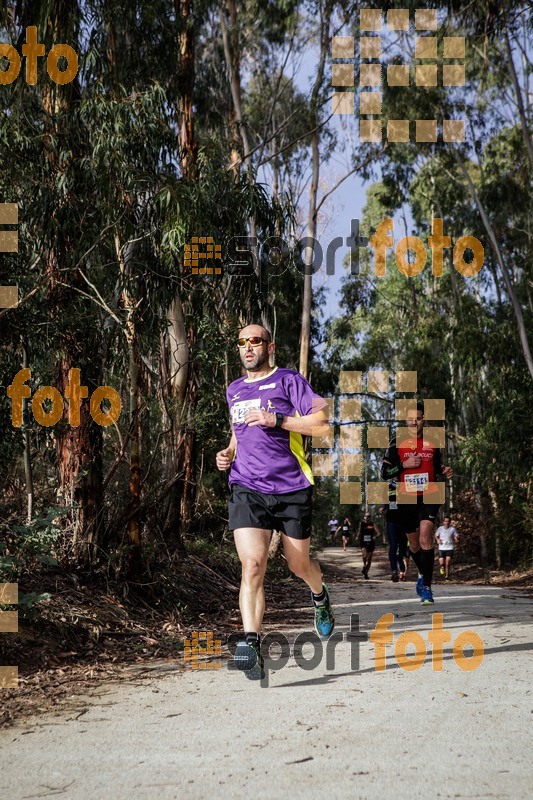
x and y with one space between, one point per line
415 464
345 529
367 541
333 526
271 484
446 536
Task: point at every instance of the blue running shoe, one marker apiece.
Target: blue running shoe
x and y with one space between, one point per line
426 598
324 617
248 659
419 585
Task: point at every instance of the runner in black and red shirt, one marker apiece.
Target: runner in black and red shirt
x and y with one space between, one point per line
415 464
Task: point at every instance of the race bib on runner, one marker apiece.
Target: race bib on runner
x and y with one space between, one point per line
417 482
239 409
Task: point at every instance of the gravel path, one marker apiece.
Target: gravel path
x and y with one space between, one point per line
340 730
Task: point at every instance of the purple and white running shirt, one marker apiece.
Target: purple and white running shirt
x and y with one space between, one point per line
271 460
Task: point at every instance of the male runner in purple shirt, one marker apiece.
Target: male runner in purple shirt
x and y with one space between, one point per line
271 483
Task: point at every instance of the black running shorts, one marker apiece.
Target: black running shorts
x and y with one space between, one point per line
369 546
410 516
289 513
445 553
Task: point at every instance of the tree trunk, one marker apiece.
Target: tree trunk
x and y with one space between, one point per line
186 40
519 100
325 19
79 455
79 449
28 474
485 528
178 439
308 276
230 40
509 286
497 531
124 254
188 461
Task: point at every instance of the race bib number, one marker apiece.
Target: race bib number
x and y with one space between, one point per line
239 409
417 482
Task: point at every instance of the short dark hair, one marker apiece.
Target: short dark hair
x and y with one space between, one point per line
447 516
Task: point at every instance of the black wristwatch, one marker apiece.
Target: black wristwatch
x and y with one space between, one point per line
279 419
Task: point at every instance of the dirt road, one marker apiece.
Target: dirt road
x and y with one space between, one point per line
343 729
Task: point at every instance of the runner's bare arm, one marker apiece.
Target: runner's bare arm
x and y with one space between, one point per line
225 457
315 424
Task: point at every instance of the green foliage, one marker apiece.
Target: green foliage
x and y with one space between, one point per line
26 551
30 546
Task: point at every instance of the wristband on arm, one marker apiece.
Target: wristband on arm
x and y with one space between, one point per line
389 471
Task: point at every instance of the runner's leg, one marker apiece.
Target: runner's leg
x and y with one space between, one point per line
427 558
414 546
407 557
252 548
301 564
304 567
448 563
409 523
402 549
393 546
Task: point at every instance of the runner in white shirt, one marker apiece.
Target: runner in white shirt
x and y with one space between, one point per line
446 536
333 525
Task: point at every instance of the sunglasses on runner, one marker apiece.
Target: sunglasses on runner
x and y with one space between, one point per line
255 341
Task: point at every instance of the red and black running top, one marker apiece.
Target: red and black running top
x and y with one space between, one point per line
421 479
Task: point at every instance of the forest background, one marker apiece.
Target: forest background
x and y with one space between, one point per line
194 119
